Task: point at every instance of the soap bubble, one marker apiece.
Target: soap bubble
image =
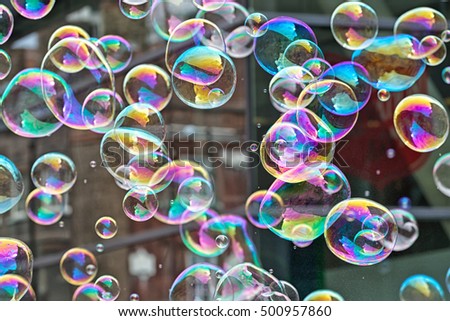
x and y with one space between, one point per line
11 184
222 241
433 49
317 67
110 287
298 52
421 122
196 194
323 295
6 24
383 95
5 64
54 173
255 24
13 287
441 174
88 292
446 75
421 22
43 208
354 25
99 108
67 31
135 9
148 84
15 258
33 9
196 283
408 230
134 297
357 231
421 288
78 266
140 204
117 51
253 205
106 227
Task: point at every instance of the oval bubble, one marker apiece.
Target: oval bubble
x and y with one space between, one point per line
252 209
106 227
43 208
117 51
140 203
6 24
78 266
12 185
441 174
5 64
99 108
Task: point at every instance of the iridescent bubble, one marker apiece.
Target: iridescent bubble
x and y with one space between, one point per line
67 31
314 127
441 174
148 84
99 108
323 295
196 283
24 108
383 95
196 194
204 77
354 25
408 230
421 22
117 51
446 75
246 282
110 287
77 68
43 208
302 244
99 247
33 9
281 31
290 291
421 288
140 204
153 170
305 205
390 62
255 24
298 52
209 5
106 227
222 241
13 287
6 24
317 67
78 266
252 209
54 173
433 49
88 292
30 295
445 36
11 184
15 258
135 9
356 231
421 122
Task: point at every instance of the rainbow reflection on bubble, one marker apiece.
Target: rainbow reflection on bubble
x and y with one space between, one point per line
99 108
110 287
252 209
13 287
298 52
106 227
15 258
12 184
135 9
421 122
196 283
255 24
421 22
117 51
43 208
67 31
421 288
357 231
323 295
88 292
6 24
78 266
140 203
54 173
196 193
33 9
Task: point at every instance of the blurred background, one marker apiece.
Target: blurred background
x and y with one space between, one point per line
146 257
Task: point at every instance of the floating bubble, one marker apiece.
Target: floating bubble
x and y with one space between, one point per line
13 287
140 204
88 292
298 52
78 266
134 297
99 108
445 36
390 153
421 22
313 127
54 173
117 51
441 174
33 9
43 208
408 230
209 5
106 227
6 24
204 77
253 205
196 194
110 287
356 231
24 109
222 241
153 170
196 283
15 259
383 95
135 9
421 288
354 25
99 247
281 32
67 31
317 67
421 122
11 184
433 49
390 62
446 75
323 295
246 282
305 205
148 84
255 24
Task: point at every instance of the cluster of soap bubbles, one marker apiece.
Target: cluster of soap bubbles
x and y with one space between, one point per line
320 102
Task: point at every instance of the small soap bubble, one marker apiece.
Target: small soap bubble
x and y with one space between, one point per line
222 241
134 297
383 95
